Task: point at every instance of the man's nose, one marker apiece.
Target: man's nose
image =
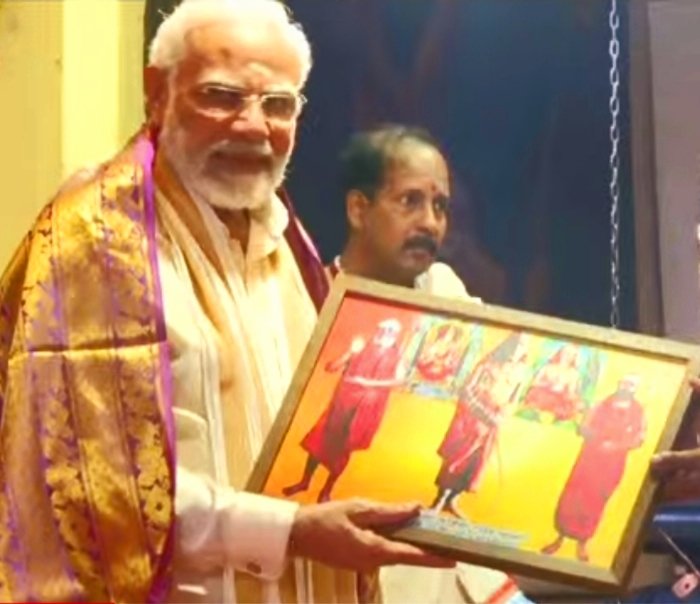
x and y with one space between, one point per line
430 221
250 123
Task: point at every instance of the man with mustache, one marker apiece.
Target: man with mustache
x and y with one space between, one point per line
149 327
396 184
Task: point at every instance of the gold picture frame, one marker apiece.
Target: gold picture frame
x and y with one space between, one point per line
528 438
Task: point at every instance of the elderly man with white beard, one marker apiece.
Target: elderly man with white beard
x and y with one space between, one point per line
149 326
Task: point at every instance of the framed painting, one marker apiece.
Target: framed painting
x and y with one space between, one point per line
527 438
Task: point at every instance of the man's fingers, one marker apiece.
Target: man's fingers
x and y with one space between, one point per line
376 515
394 552
695 384
423 558
672 461
695 396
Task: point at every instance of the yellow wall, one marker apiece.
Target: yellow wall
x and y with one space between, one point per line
70 95
30 112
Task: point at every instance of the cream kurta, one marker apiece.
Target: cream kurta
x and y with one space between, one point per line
226 393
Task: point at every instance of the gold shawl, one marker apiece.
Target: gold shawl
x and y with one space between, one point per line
86 429
86 458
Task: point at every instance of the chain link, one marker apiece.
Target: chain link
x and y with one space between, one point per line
614 105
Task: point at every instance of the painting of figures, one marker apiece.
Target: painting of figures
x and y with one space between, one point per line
517 433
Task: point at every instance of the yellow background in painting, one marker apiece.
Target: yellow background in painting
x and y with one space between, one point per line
523 478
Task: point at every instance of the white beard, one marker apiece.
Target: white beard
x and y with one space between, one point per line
233 191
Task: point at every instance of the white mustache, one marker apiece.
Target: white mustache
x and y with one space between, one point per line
233 148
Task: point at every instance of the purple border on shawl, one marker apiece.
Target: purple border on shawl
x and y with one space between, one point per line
307 257
145 154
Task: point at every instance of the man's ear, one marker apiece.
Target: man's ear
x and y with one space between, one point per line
356 204
155 86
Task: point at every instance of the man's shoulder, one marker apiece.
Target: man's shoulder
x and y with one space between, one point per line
441 280
95 209
108 192
99 183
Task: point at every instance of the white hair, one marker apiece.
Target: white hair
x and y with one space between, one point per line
168 45
390 325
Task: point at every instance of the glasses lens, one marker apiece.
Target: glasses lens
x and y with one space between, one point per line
280 106
222 98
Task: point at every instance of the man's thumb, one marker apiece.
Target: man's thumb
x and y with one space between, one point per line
670 461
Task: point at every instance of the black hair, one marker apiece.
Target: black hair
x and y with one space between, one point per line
364 160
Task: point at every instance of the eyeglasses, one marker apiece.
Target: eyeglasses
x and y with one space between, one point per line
220 99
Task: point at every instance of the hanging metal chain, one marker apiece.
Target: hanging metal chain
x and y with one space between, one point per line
614 51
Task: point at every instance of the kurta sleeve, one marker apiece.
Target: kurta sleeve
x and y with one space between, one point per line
218 525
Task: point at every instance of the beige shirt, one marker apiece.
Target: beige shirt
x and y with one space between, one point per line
441 280
221 530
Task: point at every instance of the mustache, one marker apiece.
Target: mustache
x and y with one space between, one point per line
233 148
422 242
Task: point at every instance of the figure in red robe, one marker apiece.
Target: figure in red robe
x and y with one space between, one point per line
440 358
353 417
556 387
610 431
489 395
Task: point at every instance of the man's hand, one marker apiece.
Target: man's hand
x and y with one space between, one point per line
679 470
680 473
342 534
